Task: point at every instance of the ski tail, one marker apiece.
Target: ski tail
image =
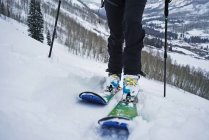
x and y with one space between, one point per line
121 117
93 98
114 122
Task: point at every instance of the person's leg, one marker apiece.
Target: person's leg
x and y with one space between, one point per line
134 35
114 11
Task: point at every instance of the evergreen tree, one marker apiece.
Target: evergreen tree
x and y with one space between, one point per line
49 38
35 21
2 9
8 11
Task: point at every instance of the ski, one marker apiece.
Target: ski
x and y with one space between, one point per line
121 116
102 98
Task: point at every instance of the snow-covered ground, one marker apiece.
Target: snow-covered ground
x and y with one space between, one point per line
191 61
39 97
188 58
200 33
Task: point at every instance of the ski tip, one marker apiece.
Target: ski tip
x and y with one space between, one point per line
92 98
114 122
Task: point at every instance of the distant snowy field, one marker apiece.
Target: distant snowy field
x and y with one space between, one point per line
200 33
39 97
188 59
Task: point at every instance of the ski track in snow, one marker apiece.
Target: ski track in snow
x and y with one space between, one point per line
39 97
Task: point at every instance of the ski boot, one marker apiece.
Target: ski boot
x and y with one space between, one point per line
130 88
112 83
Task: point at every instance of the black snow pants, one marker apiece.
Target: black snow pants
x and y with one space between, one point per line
124 21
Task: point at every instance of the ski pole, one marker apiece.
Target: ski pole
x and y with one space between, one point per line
102 3
165 52
55 26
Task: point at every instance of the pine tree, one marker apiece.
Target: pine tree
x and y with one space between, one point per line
49 38
8 11
35 21
2 8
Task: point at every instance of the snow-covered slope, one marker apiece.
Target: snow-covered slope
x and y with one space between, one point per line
39 97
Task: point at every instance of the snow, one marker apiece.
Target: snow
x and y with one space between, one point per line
77 3
197 32
93 6
89 26
39 97
191 61
184 51
154 5
92 1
